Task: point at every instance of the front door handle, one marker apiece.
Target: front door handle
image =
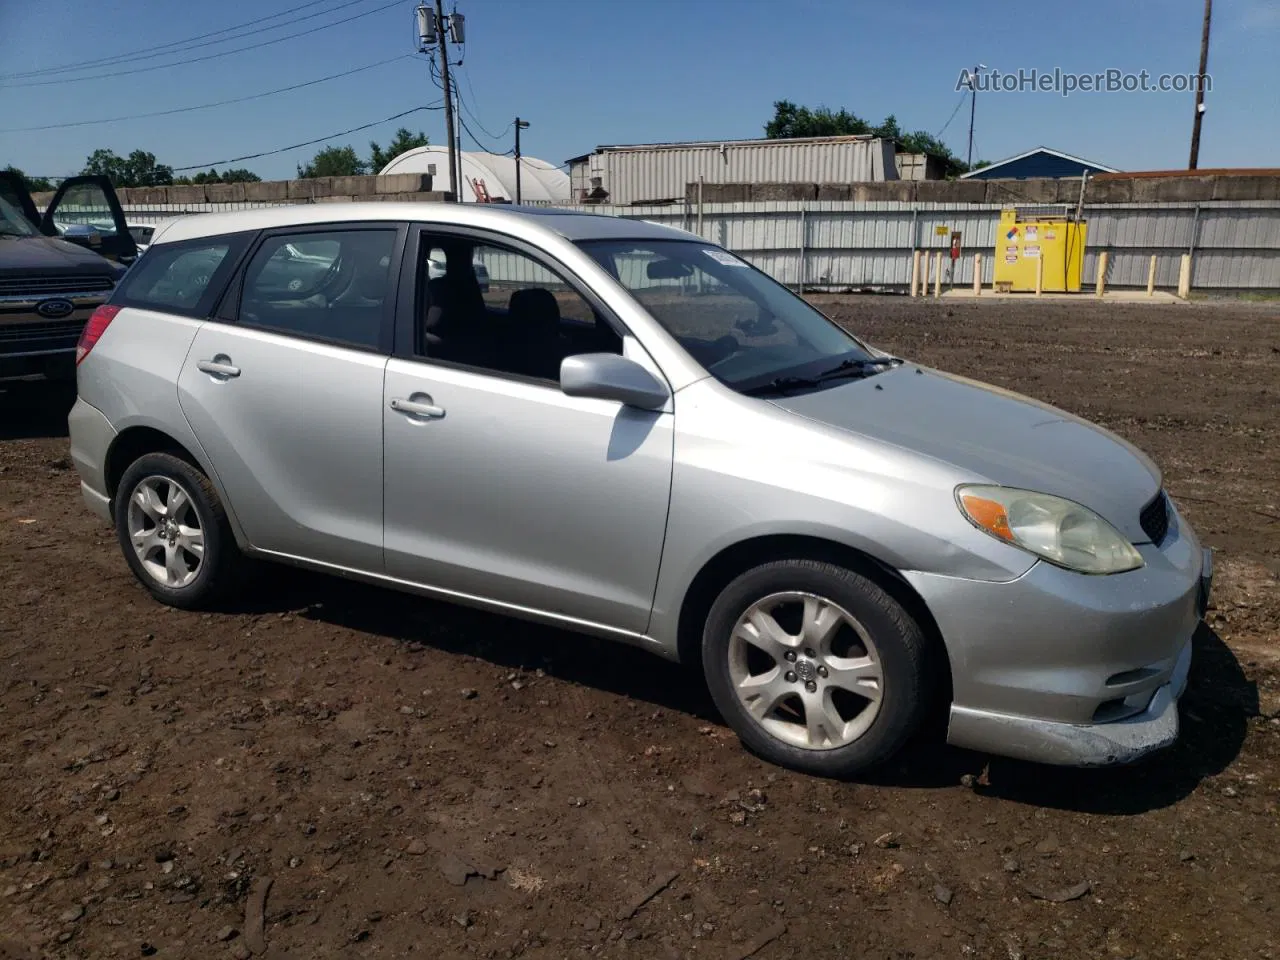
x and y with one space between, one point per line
418 405
220 366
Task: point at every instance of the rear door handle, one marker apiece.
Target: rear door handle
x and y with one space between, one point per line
419 405
219 366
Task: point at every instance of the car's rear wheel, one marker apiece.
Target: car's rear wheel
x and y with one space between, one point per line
815 667
174 532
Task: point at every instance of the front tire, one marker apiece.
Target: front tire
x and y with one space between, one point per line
815 667
174 532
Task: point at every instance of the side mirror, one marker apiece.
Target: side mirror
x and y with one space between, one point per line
83 234
608 376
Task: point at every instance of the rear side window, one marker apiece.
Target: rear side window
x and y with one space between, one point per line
183 278
334 285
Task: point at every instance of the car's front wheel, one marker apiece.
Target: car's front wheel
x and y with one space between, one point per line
174 532
815 667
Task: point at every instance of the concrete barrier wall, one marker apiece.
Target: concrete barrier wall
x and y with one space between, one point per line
396 186
1104 188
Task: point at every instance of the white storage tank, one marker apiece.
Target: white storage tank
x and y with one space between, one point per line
494 173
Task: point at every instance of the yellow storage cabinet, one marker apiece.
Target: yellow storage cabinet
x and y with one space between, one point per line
1025 241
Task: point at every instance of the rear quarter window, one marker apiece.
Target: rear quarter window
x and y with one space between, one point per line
184 278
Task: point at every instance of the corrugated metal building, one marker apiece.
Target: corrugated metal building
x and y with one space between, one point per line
656 172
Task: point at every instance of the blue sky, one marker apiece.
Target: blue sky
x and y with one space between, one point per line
588 72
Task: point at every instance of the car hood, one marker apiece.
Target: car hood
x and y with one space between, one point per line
51 257
993 434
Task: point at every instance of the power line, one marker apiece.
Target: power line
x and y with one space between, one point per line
164 47
959 104
211 56
471 113
306 143
206 106
477 142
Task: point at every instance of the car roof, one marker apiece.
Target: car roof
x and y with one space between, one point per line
570 224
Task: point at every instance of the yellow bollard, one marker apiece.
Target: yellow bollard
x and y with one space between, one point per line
1103 259
1151 277
977 274
937 275
915 271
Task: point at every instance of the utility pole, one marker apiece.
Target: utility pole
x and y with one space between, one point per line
520 125
973 107
1204 65
448 103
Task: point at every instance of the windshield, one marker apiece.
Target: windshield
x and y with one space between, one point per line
12 221
746 329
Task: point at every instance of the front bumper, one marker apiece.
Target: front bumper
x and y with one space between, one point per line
1063 668
1077 744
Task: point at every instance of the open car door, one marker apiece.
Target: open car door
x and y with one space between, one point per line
86 210
13 189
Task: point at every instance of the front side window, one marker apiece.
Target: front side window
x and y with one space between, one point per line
84 204
321 285
501 310
746 329
13 223
176 277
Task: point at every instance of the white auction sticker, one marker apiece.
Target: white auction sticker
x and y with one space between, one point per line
725 257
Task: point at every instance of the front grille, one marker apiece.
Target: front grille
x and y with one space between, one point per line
1155 518
28 286
50 334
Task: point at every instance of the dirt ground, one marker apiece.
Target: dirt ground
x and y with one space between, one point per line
328 770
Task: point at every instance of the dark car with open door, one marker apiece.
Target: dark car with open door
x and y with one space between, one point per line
56 268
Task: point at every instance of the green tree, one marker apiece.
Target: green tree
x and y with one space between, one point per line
333 162
34 184
235 175
791 121
404 140
139 169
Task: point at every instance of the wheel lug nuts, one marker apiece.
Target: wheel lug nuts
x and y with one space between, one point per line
822 671
791 656
811 686
791 677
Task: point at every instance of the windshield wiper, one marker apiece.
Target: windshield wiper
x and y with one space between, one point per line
852 367
856 365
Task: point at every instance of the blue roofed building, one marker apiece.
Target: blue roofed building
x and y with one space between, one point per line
1037 163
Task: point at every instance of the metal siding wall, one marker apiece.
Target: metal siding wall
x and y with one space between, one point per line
854 244
662 173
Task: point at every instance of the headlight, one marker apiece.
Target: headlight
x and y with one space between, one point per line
1054 529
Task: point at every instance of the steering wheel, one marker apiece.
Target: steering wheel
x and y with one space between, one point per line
715 352
336 271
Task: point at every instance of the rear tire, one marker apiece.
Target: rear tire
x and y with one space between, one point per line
174 532
815 667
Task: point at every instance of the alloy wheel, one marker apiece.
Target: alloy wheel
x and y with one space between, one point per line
165 531
806 670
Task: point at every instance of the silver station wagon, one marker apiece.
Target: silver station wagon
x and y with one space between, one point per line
628 431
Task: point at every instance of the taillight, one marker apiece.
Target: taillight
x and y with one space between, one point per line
95 328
